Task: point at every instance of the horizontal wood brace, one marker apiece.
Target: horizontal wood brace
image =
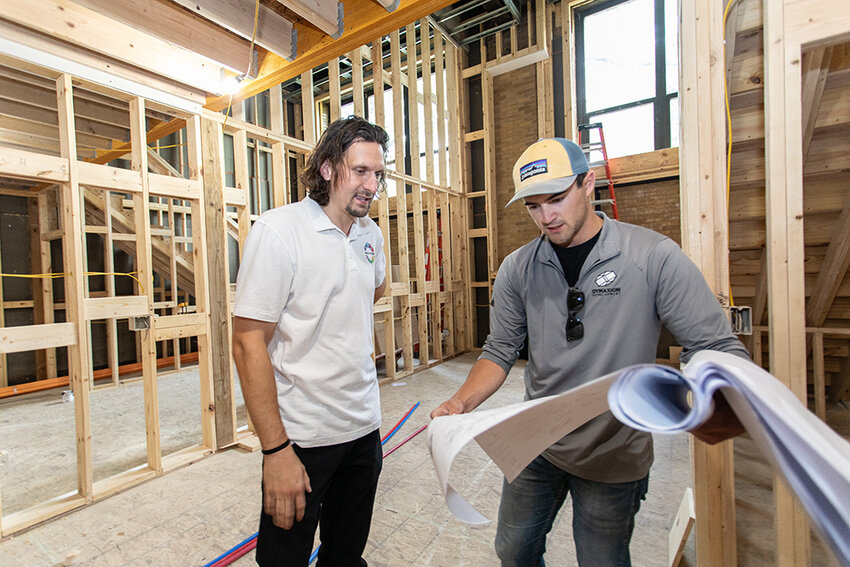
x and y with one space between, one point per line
172 321
174 186
52 235
120 307
416 182
400 288
33 337
180 332
23 304
382 305
21 164
235 197
234 125
108 177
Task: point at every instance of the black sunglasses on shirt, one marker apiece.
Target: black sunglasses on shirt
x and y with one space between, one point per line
575 303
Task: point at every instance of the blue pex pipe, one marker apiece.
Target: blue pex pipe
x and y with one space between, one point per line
231 550
315 553
400 423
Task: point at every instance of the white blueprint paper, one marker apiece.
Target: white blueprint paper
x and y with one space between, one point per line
813 459
512 435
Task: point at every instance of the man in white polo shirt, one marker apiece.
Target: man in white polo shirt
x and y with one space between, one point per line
302 342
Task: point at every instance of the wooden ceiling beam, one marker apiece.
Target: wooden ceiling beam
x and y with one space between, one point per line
172 23
274 32
324 14
389 5
363 21
70 22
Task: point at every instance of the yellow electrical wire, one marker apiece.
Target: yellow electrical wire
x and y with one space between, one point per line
63 274
729 133
250 60
165 147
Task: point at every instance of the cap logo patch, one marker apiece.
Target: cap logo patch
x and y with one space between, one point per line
532 169
605 278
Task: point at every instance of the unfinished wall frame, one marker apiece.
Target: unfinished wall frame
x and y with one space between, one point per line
85 186
790 27
479 143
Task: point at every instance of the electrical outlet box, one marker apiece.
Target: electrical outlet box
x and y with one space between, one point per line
741 319
140 323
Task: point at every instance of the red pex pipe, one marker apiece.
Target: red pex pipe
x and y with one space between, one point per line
236 553
411 436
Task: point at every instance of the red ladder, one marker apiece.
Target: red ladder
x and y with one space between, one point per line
588 147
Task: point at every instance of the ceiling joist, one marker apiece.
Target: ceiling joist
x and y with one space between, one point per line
324 14
71 22
176 25
273 31
363 21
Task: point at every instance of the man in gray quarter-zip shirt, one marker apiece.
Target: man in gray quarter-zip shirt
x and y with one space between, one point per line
590 296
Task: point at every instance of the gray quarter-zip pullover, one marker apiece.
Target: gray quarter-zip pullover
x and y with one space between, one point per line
634 280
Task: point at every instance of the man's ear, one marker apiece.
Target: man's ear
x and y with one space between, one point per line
590 182
325 170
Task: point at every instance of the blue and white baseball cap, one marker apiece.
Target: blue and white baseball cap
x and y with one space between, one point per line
547 166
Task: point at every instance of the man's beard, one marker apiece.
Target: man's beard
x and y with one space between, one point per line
355 211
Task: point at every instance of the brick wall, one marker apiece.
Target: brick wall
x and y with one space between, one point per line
515 95
654 205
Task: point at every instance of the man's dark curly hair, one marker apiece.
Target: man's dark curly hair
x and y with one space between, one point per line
332 147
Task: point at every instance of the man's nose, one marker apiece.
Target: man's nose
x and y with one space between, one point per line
371 183
547 214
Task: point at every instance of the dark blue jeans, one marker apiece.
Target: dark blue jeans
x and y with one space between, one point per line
344 479
603 516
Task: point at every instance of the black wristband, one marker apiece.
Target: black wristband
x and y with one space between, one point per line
280 447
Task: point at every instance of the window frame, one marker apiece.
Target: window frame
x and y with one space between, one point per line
660 101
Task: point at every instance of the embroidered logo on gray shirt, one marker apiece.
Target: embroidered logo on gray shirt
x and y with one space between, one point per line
605 278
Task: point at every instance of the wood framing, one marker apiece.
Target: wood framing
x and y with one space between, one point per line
172 212
213 165
705 239
363 21
789 27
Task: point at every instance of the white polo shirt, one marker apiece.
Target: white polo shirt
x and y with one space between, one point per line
302 272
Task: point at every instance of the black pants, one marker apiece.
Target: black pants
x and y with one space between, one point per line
343 479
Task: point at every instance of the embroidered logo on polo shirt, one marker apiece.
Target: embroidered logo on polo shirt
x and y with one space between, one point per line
533 168
369 252
605 278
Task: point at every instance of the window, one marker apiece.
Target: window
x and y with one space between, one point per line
627 73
